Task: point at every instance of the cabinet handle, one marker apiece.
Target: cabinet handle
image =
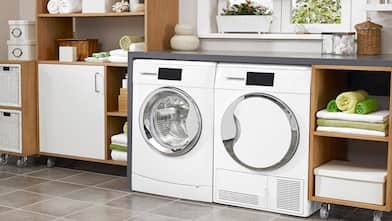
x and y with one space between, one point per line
96 82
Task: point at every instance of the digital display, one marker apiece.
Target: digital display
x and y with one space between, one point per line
171 74
6 68
260 79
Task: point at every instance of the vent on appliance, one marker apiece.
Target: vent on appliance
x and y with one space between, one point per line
289 195
238 197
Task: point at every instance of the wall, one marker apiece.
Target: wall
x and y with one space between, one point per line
9 12
27 9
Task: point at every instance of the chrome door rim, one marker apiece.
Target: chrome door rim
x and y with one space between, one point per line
146 129
295 132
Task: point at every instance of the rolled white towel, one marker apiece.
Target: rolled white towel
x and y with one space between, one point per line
53 6
119 156
118 59
70 6
120 139
119 53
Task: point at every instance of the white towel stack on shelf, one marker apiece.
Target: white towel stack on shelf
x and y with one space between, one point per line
119 140
64 6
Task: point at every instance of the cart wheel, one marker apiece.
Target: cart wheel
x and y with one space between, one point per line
324 210
377 216
3 159
22 162
51 162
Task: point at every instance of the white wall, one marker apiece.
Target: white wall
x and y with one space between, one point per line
27 9
8 11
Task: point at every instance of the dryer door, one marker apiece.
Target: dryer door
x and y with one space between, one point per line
170 121
260 132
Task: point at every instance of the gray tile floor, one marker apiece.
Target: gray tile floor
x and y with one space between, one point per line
39 194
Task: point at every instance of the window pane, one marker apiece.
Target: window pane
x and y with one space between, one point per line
316 12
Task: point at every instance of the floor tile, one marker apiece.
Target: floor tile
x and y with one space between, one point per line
237 214
58 207
5 190
21 170
120 184
152 217
21 198
185 210
4 175
139 202
55 173
95 195
101 213
55 188
21 215
21 182
4 209
88 179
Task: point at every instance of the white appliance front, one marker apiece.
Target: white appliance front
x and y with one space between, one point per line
172 141
261 138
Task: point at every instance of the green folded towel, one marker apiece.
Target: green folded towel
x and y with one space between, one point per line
332 107
118 147
367 106
347 101
383 127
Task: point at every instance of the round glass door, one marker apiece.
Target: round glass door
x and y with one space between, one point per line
171 121
260 132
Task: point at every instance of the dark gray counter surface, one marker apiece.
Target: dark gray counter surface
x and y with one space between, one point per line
284 58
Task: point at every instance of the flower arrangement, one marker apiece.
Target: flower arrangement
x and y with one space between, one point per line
317 12
247 8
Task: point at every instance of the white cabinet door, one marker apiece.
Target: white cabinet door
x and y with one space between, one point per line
71 110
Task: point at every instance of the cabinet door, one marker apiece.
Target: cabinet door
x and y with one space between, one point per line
71 110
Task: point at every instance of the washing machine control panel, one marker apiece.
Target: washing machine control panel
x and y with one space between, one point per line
260 79
172 74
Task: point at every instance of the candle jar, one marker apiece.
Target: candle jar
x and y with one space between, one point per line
344 43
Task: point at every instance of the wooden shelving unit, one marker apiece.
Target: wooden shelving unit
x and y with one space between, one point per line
327 83
160 18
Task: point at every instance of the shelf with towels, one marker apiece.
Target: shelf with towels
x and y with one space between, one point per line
351 136
80 15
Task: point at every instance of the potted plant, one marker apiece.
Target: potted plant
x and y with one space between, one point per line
245 17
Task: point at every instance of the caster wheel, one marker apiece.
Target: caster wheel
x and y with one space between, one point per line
377 216
22 162
51 162
3 159
324 211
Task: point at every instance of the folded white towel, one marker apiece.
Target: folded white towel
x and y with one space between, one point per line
100 60
70 6
136 46
351 131
119 156
375 117
53 6
119 53
118 59
120 139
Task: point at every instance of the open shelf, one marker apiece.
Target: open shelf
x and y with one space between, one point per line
81 15
117 114
351 136
106 64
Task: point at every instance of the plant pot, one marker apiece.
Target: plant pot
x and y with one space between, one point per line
244 23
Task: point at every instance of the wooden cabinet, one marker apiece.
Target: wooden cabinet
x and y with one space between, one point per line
72 110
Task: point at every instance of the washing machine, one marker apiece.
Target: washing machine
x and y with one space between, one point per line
172 128
262 138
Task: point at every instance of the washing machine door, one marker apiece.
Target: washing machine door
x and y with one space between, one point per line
260 132
170 121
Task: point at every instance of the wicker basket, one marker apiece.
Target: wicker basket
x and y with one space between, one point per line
369 38
84 47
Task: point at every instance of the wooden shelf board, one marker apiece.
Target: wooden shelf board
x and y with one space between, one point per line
351 136
349 203
107 64
117 114
119 163
80 15
10 108
111 162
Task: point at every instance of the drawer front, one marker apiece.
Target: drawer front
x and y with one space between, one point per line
10 85
10 131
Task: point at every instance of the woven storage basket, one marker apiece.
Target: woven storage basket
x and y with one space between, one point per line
369 38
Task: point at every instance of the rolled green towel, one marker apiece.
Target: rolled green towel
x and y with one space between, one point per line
348 101
125 128
332 107
127 40
383 127
367 106
118 147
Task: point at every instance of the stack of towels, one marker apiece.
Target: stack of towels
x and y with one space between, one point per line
64 6
354 112
119 145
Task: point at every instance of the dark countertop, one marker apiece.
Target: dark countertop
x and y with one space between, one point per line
306 59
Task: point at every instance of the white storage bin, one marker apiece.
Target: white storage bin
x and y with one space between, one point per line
21 50
347 181
97 6
10 131
10 85
21 30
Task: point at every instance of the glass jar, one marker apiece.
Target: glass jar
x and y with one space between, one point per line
344 43
327 46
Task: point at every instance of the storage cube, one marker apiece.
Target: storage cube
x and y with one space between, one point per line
10 85
21 50
10 131
97 6
21 30
347 181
